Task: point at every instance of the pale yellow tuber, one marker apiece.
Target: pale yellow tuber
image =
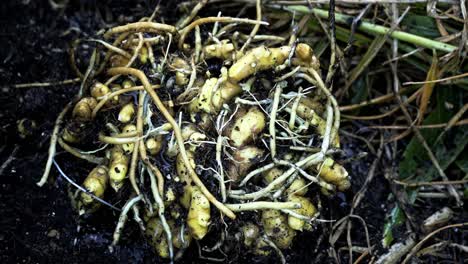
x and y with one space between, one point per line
128 147
154 144
276 227
221 50
95 183
84 108
127 113
334 173
118 167
307 209
244 159
258 59
250 233
198 218
246 127
99 90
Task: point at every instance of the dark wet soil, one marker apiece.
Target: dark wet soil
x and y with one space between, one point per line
38 225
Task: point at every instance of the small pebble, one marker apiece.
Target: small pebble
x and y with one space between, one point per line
53 233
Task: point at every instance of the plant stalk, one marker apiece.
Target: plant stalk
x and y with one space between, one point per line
379 30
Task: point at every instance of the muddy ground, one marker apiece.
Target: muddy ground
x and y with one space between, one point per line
37 225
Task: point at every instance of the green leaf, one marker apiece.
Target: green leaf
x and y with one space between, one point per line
424 26
415 155
462 161
359 90
387 235
342 34
462 83
397 217
359 40
449 149
320 46
366 59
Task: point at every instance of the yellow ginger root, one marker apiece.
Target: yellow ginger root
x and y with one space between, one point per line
118 167
154 232
73 132
298 187
305 110
181 239
304 56
262 248
271 174
96 183
258 59
276 227
182 69
126 113
334 173
143 55
184 176
116 99
307 209
250 233
246 126
213 95
26 127
308 107
84 108
128 83
226 92
154 144
244 158
203 101
223 50
128 147
198 218
99 90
